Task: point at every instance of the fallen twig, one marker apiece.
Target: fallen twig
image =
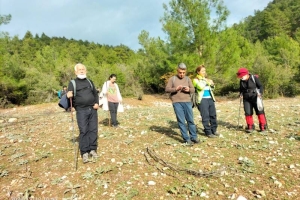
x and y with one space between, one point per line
176 168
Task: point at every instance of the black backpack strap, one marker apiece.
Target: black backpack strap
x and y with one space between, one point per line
74 85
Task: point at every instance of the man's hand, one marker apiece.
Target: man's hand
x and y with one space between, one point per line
70 94
96 106
179 87
185 89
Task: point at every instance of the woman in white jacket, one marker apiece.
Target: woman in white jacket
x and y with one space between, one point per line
112 97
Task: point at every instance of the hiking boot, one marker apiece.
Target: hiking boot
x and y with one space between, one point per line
94 154
85 158
216 134
211 136
195 141
262 128
188 143
250 128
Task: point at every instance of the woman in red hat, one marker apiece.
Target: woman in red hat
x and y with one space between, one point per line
251 89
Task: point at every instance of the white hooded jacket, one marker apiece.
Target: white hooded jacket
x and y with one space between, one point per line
103 94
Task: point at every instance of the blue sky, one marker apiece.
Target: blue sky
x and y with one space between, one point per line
110 22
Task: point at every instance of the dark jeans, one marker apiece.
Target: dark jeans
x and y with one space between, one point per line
209 115
87 120
249 105
184 111
113 109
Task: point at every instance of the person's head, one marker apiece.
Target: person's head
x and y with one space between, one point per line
181 70
64 87
112 78
200 70
80 71
243 74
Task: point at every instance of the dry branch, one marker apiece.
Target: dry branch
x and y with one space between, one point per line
177 168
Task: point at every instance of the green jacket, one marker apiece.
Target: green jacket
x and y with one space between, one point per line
199 83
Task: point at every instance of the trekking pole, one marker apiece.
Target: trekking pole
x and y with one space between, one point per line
74 140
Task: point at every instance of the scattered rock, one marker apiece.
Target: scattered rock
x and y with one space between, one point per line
260 193
292 166
241 198
278 184
151 183
10 120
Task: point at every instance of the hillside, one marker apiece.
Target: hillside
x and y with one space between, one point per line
145 159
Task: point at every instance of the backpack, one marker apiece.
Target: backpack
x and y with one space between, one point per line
59 94
74 86
259 102
64 102
194 99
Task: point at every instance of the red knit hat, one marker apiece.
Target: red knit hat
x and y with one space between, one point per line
242 72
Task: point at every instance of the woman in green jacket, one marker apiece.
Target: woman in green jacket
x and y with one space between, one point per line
206 102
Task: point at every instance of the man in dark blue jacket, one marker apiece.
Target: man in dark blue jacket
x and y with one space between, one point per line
86 102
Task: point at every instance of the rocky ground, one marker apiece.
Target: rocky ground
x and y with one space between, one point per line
145 158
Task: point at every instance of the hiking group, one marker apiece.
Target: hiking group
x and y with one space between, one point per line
181 87
84 98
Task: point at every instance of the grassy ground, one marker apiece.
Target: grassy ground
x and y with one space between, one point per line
145 157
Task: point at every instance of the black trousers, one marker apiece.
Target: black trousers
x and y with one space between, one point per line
208 113
87 120
113 109
249 105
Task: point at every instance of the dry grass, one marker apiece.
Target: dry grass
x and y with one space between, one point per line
37 155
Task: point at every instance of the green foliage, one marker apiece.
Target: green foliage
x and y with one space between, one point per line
154 62
5 19
34 68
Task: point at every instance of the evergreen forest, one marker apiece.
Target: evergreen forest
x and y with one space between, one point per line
35 67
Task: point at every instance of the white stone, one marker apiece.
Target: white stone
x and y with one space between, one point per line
151 183
278 184
154 174
12 120
241 198
292 166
